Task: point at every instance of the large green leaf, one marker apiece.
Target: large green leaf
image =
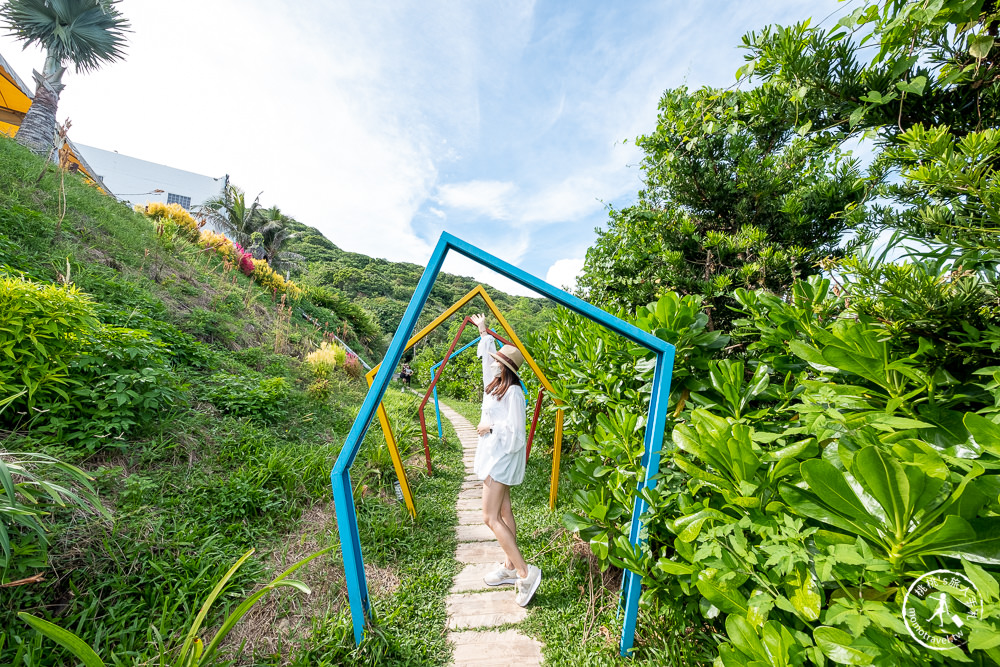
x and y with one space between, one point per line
836 645
723 594
744 637
688 527
803 593
831 486
948 537
884 478
985 547
985 432
778 642
74 644
808 505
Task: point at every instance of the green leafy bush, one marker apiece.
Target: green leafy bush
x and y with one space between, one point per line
803 489
41 332
251 395
120 381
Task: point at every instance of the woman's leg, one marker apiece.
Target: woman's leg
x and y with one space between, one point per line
507 516
494 495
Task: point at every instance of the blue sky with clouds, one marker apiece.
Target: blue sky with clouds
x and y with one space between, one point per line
507 123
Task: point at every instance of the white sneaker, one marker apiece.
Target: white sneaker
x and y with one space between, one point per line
527 586
501 576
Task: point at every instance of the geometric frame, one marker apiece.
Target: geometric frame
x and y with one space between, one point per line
354 573
477 291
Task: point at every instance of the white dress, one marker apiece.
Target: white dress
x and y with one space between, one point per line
500 454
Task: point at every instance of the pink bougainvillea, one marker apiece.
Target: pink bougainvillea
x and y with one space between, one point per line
246 259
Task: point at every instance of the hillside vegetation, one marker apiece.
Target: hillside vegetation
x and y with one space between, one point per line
381 290
180 412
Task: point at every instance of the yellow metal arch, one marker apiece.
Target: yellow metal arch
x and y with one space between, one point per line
383 417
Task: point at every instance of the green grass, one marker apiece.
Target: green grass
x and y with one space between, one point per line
192 490
409 624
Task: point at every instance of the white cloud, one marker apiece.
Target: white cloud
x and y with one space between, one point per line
490 198
564 273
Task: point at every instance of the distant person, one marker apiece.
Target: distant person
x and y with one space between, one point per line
500 459
405 374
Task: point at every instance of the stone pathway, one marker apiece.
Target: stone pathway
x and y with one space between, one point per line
475 610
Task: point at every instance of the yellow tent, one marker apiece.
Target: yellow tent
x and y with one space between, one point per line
15 98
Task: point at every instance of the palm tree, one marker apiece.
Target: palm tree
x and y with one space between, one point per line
86 33
230 212
275 233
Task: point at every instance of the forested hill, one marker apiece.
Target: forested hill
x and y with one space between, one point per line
381 289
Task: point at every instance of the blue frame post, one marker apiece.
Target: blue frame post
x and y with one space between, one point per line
354 572
340 479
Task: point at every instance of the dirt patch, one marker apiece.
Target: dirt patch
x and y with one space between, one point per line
284 618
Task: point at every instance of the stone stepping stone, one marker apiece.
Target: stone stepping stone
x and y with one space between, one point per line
480 533
494 649
479 552
470 517
483 610
471 603
471 579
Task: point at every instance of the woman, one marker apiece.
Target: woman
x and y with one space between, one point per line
500 459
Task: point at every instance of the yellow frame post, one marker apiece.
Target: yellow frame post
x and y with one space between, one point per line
383 417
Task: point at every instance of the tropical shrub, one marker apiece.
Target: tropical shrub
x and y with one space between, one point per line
603 381
175 220
244 260
353 367
803 489
320 390
251 395
323 361
42 330
120 381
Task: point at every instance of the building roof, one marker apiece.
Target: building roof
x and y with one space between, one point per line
15 100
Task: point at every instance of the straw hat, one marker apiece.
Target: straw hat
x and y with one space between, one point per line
509 356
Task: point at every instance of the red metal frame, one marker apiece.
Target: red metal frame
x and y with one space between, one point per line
534 421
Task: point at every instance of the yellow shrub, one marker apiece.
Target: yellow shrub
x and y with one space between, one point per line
173 217
220 244
273 281
324 361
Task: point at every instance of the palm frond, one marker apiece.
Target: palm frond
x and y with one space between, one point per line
87 33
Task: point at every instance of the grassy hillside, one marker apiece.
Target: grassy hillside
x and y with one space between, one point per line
180 387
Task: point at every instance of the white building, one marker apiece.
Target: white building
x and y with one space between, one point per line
140 182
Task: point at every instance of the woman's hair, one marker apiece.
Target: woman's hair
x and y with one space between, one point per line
503 382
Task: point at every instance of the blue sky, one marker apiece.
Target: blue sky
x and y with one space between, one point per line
510 124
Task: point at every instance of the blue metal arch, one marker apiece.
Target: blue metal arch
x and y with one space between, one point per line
340 478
